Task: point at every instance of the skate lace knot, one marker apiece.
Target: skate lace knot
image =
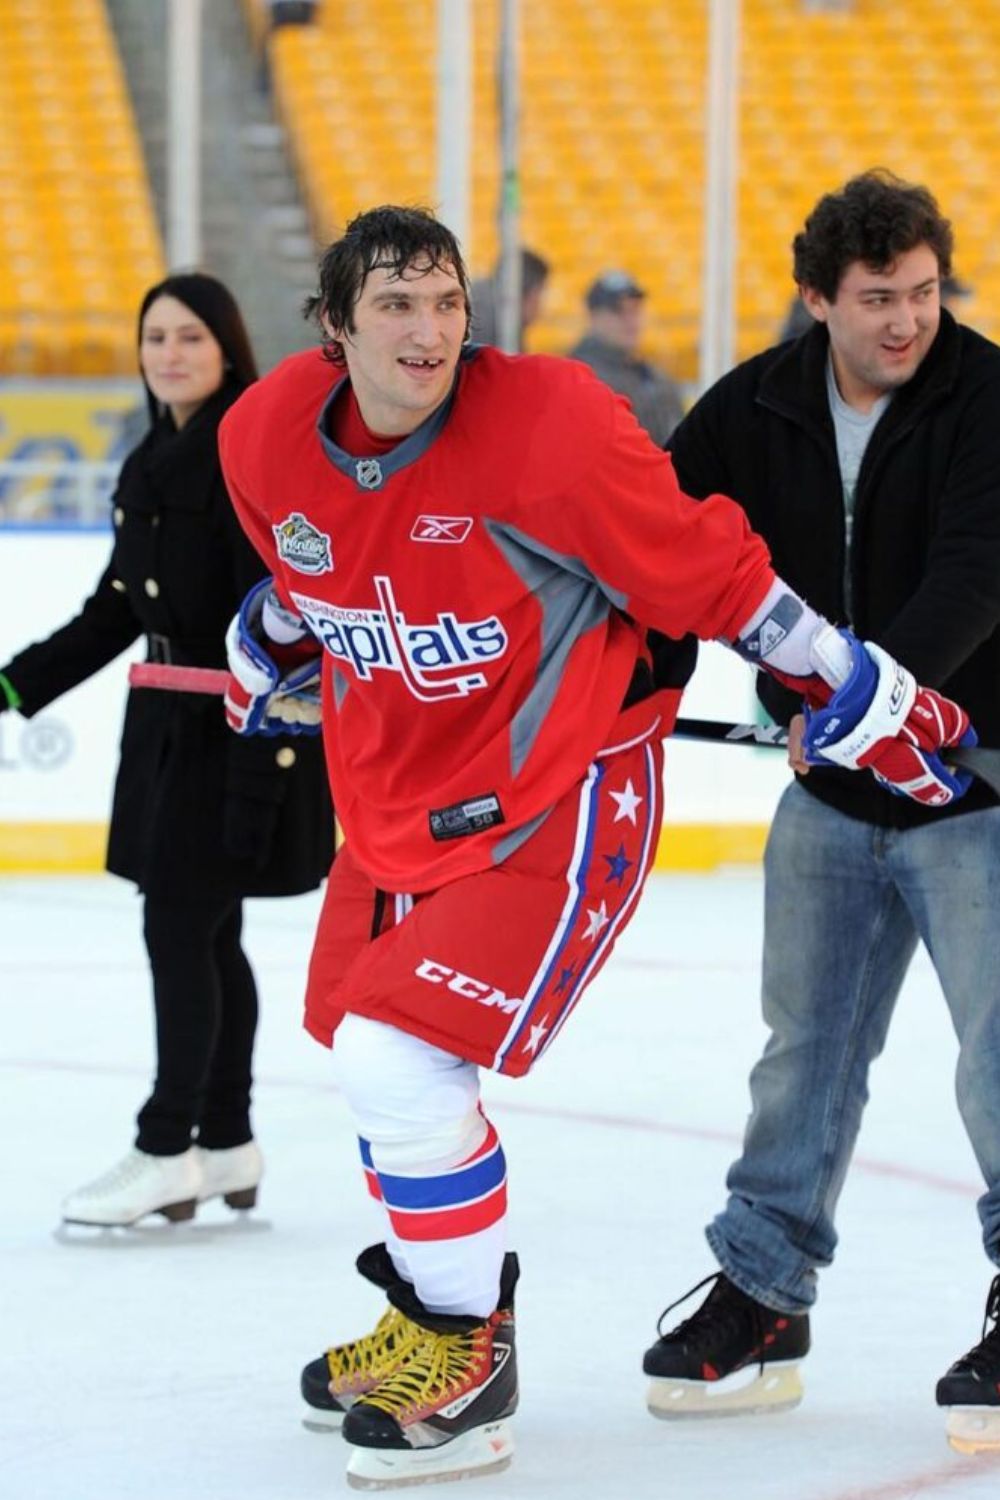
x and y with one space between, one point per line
393 1335
442 1368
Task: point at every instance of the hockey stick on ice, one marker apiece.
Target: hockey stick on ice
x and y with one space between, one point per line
981 762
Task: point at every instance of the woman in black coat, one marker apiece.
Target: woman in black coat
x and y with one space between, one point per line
201 817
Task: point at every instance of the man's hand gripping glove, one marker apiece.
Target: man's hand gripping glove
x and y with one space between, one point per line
880 718
273 684
863 709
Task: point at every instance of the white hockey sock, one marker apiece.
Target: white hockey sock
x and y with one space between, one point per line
432 1158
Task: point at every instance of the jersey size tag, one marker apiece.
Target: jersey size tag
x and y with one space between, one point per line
463 818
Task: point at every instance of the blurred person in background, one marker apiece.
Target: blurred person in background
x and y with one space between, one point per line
616 316
485 295
867 455
200 818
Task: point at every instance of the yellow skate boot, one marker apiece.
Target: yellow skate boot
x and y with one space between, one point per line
443 1413
332 1383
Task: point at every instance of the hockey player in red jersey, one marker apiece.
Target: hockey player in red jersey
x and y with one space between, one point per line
474 545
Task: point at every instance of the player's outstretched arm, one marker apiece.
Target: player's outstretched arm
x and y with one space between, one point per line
865 711
274 667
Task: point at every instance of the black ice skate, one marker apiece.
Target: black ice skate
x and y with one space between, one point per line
332 1383
971 1388
732 1357
443 1413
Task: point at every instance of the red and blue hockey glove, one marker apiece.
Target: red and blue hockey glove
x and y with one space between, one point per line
882 720
273 688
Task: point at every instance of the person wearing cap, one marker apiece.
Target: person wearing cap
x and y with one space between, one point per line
616 320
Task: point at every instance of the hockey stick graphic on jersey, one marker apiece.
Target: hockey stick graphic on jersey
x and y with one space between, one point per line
425 689
983 763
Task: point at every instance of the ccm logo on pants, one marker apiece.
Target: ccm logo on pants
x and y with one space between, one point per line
464 985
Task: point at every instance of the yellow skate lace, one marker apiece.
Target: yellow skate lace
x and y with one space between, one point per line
438 1371
378 1353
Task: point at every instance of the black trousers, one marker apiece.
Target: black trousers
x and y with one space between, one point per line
206 1017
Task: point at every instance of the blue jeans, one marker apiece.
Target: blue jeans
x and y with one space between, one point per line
845 903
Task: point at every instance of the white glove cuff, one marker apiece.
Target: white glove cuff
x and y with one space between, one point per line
282 626
830 655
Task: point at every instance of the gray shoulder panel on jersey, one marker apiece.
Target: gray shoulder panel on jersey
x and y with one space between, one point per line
572 602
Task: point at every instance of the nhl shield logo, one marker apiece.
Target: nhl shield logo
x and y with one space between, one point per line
368 473
302 545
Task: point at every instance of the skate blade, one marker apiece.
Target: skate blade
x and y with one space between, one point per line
973 1429
484 1450
154 1231
745 1393
175 1213
318 1419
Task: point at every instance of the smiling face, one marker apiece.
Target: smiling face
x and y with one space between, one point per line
404 347
881 324
180 357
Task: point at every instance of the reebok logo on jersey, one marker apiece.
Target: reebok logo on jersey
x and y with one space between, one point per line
441 528
434 657
302 545
467 987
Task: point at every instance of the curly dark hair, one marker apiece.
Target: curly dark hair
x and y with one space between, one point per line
391 238
875 218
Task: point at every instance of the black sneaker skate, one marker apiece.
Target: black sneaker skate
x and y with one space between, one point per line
443 1413
731 1357
971 1388
332 1383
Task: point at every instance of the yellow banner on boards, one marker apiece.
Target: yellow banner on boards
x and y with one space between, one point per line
53 421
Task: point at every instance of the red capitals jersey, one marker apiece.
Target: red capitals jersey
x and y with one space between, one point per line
481 592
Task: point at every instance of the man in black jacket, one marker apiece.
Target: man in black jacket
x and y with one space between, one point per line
867 453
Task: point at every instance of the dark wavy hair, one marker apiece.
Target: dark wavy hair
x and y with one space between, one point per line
217 308
390 238
875 218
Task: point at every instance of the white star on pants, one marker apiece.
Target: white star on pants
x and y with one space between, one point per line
537 1032
598 919
627 803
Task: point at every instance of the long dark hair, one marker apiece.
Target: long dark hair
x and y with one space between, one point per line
217 308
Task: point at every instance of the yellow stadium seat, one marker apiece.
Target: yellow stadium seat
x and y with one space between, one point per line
77 230
613 141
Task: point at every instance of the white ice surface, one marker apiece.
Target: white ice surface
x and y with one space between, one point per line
162 1363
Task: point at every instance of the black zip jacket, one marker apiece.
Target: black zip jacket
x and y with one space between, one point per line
925 554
